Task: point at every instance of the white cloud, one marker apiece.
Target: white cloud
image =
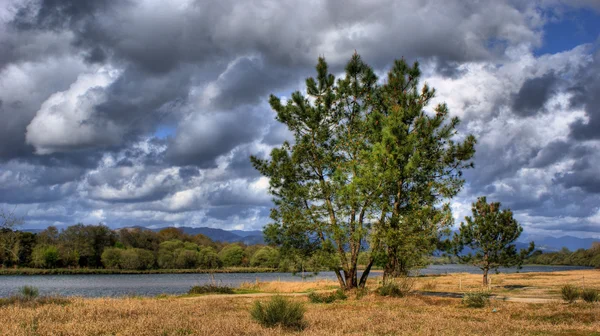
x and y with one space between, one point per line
68 120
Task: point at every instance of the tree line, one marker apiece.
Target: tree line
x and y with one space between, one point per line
97 246
582 257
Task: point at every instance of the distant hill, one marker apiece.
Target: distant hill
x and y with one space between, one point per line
220 235
552 244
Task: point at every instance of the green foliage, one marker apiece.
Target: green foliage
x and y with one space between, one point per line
137 259
265 257
111 257
569 293
490 234
29 292
590 295
399 287
476 299
315 297
279 311
208 258
581 257
232 255
211 289
367 163
45 256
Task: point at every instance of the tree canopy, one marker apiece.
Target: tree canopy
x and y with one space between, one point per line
368 163
490 235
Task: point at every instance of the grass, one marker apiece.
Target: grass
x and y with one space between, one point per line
211 289
289 287
590 295
331 297
29 297
528 285
67 271
477 299
569 293
279 311
229 315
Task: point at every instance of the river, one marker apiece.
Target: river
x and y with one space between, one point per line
99 285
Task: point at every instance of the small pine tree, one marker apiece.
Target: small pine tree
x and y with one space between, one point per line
490 234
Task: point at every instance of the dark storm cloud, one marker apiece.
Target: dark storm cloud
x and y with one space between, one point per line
56 14
202 138
167 140
586 95
534 93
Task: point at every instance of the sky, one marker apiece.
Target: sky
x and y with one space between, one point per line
145 112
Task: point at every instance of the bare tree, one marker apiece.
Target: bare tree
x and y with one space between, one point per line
9 240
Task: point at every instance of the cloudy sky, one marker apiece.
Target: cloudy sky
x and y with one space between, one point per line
144 112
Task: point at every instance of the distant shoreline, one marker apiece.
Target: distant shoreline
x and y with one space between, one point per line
82 271
99 271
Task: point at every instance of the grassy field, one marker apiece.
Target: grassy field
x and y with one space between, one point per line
371 315
533 285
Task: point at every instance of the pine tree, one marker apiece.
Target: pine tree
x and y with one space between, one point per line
367 163
490 235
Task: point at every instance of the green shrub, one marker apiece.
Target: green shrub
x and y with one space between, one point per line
279 311
476 299
590 295
29 292
327 297
210 288
396 288
569 293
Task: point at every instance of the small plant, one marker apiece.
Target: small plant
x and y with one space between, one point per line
29 292
361 292
476 299
396 288
590 295
211 289
569 293
430 285
279 311
327 297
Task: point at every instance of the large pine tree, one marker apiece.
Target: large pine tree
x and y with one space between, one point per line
367 163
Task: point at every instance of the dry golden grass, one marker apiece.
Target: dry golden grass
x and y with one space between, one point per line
289 287
532 285
372 315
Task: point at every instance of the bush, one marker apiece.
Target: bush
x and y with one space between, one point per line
279 311
476 299
210 288
569 293
396 288
590 295
327 297
29 292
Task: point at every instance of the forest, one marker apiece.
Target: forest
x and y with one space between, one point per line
97 246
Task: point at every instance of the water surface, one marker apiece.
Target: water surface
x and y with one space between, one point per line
98 285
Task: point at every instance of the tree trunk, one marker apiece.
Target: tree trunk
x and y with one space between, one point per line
365 275
485 276
351 278
340 278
